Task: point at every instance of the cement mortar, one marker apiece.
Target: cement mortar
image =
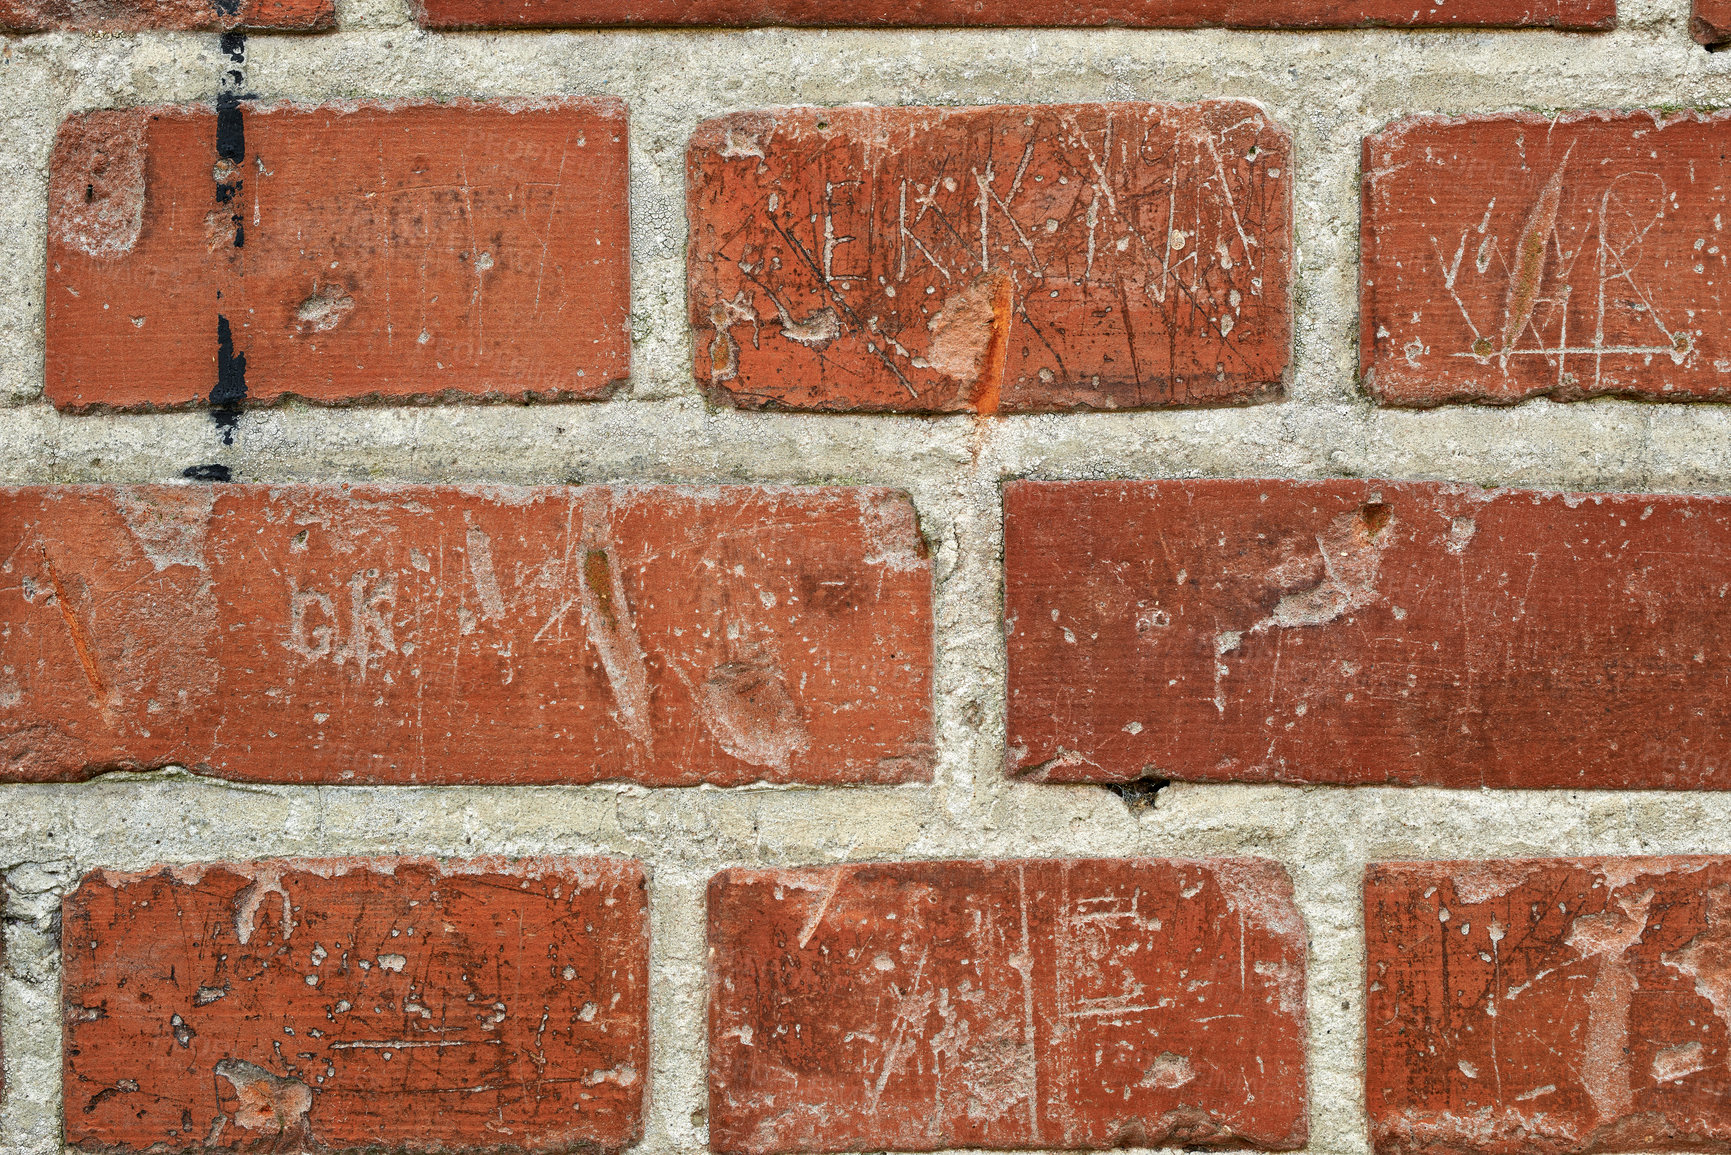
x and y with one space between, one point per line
1328 89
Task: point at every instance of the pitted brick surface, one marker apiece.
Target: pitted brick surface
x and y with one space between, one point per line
1549 1006
1576 14
1033 1004
997 259
345 252
342 1004
1356 632
396 634
1523 255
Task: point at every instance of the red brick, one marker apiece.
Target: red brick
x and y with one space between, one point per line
396 634
1575 14
1350 632
335 1004
1711 22
166 16
1076 1004
1517 256
1125 255
345 252
1550 1006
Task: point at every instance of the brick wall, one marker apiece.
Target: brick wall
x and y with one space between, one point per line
612 611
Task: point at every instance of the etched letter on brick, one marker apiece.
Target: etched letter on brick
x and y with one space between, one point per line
342 1004
1549 1006
991 259
1575 14
337 253
1516 256
1367 632
448 634
1049 1004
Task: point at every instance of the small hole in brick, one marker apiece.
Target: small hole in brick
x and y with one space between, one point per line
1139 794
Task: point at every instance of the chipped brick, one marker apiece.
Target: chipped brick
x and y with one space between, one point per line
1011 258
1061 1004
339 1004
1352 632
1520 255
1548 1006
1710 23
396 634
338 253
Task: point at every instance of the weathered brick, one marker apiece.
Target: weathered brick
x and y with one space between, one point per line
1521 255
1012 258
1574 14
1546 1007
462 634
1367 632
341 1004
1710 23
1061 1004
337 253
166 15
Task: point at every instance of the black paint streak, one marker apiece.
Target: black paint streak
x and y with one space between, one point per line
1139 794
230 128
207 473
230 391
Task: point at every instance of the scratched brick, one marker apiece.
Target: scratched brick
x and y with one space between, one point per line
341 1004
1356 632
1520 255
1710 23
344 252
1549 1006
1012 258
394 634
1052 1004
166 15
1573 14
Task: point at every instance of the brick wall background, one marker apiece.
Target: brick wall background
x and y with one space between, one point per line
1328 89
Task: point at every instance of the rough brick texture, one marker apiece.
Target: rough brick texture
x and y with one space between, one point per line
1008 258
1522 255
1544 1007
338 253
1578 14
166 15
1055 1004
448 634
1366 632
336 1004
1711 22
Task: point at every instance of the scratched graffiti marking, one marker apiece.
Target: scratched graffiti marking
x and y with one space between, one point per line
1354 632
1512 257
990 260
343 253
423 633
276 1006
1560 1005
919 1006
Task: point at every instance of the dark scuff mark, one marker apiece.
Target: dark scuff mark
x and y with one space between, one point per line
207 473
1139 794
230 391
